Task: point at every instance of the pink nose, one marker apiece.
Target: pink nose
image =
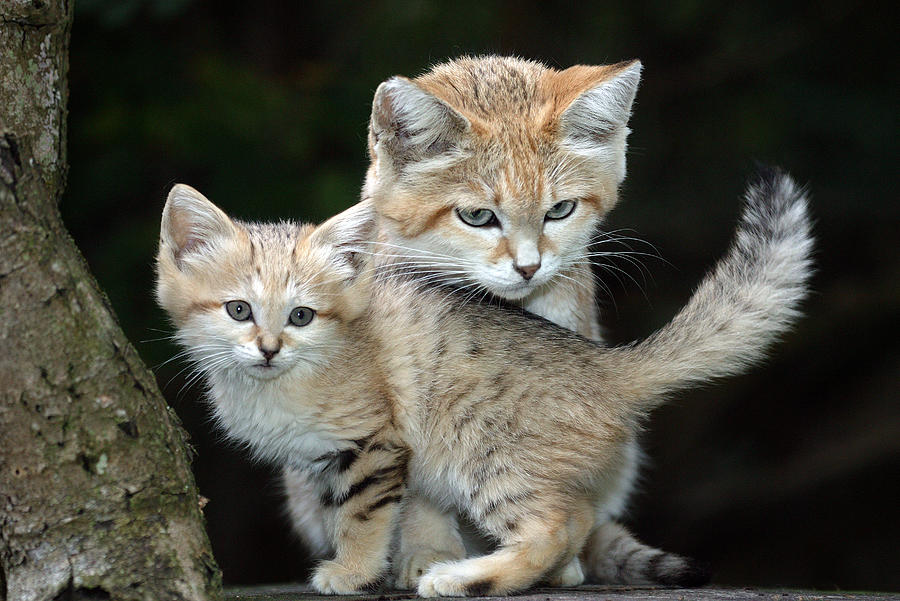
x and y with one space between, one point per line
528 271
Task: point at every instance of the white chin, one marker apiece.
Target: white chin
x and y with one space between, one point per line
513 292
264 373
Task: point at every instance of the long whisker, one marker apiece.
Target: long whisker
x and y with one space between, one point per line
578 283
612 238
473 289
418 254
195 366
160 339
424 261
414 267
426 276
204 370
186 353
614 270
414 250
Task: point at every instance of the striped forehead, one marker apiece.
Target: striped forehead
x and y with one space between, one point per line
270 247
520 184
513 160
274 267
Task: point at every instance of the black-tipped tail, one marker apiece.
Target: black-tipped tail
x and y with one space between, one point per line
683 572
742 306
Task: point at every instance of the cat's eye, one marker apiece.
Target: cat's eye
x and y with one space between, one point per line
301 316
238 310
561 210
477 217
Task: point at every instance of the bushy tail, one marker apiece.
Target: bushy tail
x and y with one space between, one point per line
741 307
613 556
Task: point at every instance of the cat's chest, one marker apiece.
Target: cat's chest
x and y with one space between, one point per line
560 307
568 306
277 429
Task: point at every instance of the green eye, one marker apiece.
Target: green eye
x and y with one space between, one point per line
301 316
477 217
238 310
561 210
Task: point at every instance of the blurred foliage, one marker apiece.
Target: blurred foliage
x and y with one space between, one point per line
122 13
788 476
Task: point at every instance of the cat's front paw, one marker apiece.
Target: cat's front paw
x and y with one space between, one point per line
411 566
454 579
333 578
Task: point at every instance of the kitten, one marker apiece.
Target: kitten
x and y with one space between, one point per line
380 385
492 174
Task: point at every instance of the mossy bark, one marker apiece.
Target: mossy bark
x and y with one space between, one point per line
97 500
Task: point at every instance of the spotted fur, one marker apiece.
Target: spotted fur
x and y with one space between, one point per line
381 394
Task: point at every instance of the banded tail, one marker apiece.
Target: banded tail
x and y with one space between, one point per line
741 306
613 556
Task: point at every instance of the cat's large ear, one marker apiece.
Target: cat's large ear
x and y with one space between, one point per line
603 106
349 235
410 124
190 223
346 240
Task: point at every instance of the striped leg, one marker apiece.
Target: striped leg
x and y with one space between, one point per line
362 504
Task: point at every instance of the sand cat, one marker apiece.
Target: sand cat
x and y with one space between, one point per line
383 385
492 174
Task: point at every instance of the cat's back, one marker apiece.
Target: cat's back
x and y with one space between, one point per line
438 329
470 378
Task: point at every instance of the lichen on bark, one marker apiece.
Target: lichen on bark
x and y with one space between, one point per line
33 44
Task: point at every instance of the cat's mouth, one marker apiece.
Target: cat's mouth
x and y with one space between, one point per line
265 370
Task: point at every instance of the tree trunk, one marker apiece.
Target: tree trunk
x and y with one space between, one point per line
97 500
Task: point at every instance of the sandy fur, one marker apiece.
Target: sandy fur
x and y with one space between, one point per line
516 137
513 136
400 387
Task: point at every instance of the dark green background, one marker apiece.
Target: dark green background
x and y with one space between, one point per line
788 476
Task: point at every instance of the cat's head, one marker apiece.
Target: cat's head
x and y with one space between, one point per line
254 299
498 170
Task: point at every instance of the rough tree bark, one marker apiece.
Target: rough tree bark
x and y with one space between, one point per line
97 500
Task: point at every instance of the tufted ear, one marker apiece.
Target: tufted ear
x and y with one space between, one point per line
410 124
349 235
603 108
190 223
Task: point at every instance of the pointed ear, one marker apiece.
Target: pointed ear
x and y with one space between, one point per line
349 235
190 222
604 107
410 124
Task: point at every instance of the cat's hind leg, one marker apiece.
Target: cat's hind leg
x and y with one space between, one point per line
542 542
427 536
307 516
570 574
